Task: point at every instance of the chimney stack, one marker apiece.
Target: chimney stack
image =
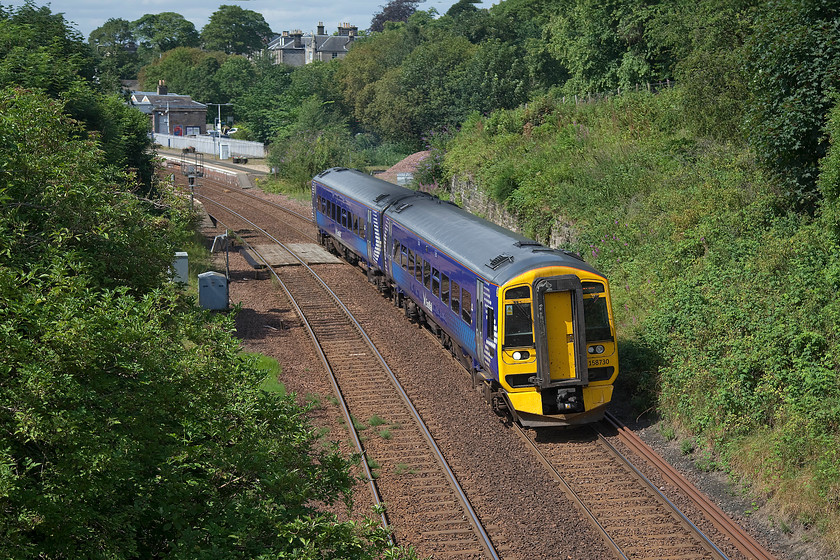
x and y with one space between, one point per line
320 28
162 89
297 35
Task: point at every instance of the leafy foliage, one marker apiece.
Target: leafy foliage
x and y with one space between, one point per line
189 71
794 64
158 33
113 42
130 424
393 11
234 30
39 51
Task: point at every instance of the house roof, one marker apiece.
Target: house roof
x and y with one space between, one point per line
148 101
322 43
407 165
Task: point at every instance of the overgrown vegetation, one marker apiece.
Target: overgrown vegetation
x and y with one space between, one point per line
131 424
705 184
723 291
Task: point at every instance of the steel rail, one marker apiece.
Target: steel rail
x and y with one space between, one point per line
240 191
555 474
651 486
486 542
345 411
740 539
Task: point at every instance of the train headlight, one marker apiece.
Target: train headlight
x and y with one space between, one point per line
597 349
521 355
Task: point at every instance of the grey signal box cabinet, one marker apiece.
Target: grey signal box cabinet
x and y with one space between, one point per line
212 290
181 266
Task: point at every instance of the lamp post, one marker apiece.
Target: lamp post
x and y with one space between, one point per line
219 124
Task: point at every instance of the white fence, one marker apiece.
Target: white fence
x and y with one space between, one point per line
225 147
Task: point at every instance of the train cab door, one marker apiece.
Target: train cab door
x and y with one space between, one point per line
486 328
369 236
387 253
560 332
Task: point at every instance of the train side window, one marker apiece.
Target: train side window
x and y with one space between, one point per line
491 323
427 274
519 292
418 270
344 218
355 224
466 306
362 229
410 261
395 251
444 289
456 297
332 210
403 257
436 282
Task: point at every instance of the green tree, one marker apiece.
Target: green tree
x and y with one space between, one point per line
130 424
369 61
187 71
432 78
234 30
38 49
317 139
603 45
794 64
115 44
158 33
706 41
497 77
235 76
266 106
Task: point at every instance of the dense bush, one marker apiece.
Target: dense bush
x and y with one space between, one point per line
724 295
130 425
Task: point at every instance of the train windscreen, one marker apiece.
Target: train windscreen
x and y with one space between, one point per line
596 318
519 329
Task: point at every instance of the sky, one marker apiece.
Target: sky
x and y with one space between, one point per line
281 15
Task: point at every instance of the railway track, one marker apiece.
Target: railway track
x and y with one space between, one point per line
443 523
635 522
208 187
633 516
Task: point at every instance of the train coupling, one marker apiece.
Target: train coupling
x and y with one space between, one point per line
568 401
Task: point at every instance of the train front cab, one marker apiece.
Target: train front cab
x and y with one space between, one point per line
557 352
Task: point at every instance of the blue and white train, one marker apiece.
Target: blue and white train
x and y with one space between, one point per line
533 325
